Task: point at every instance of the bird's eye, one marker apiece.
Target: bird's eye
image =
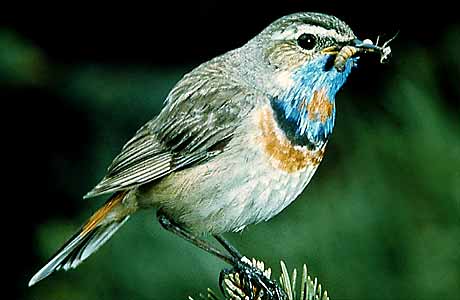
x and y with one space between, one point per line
307 41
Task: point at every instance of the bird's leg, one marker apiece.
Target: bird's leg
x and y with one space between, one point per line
253 280
171 226
229 247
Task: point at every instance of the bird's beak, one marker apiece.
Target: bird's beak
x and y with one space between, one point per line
333 50
357 47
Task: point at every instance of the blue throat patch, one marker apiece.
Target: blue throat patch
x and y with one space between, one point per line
306 112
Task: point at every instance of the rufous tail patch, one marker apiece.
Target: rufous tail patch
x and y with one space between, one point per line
102 212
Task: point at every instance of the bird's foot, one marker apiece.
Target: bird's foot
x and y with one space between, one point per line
249 281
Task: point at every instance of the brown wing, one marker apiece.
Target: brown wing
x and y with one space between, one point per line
198 120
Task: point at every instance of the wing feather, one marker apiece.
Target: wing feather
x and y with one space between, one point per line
197 122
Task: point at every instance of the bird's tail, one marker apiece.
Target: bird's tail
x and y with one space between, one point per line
92 235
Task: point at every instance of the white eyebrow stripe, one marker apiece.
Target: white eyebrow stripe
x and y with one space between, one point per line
294 31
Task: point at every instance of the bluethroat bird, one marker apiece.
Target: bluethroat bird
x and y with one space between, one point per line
238 139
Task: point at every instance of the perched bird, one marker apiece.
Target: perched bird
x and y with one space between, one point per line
238 139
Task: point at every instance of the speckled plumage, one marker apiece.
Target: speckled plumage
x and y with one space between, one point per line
238 139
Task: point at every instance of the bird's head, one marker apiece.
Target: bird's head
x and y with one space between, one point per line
309 56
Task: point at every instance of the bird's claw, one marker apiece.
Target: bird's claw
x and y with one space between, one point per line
245 281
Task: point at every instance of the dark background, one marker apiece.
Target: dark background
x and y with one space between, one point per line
380 219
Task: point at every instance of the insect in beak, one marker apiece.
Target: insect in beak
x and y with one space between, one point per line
356 47
367 46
